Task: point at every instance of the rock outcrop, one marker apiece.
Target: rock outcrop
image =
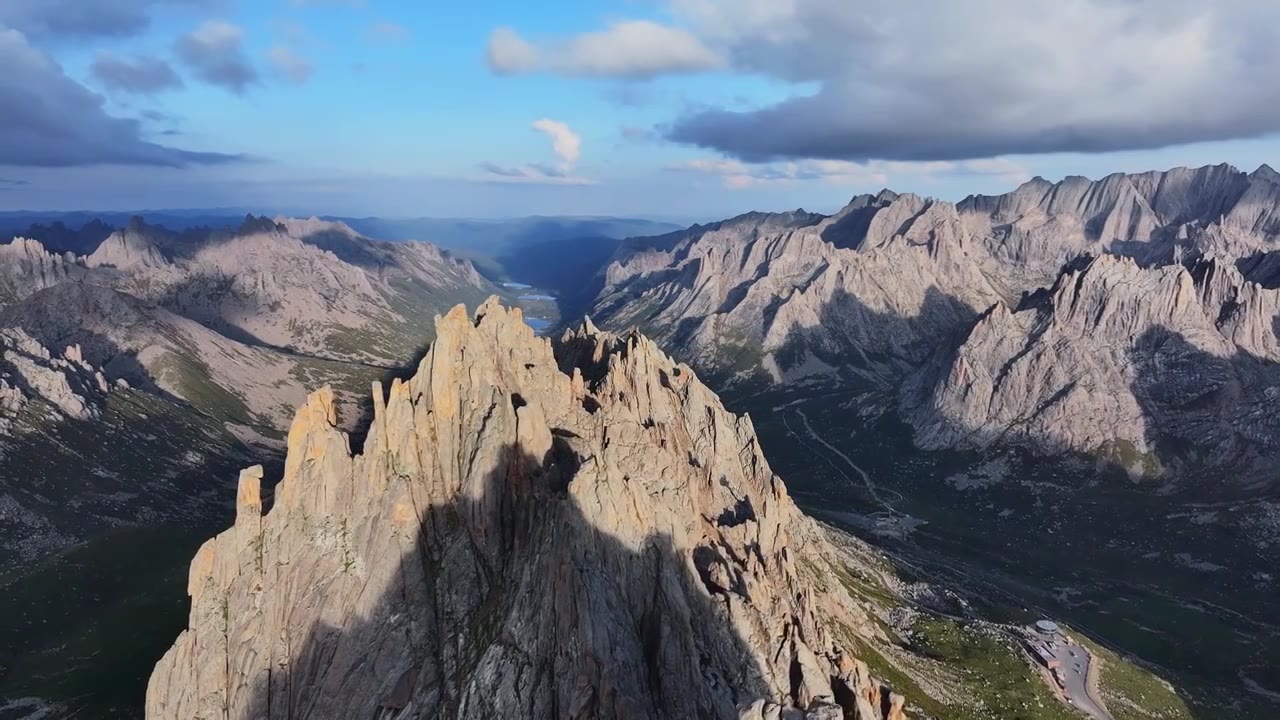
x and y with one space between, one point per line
532 529
799 296
28 370
1143 366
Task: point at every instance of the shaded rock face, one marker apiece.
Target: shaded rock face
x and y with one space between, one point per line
802 297
1149 367
576 529
28 370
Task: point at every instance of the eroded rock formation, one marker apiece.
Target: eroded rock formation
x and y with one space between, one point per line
576 529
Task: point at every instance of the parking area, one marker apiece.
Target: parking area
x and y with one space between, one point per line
1068 663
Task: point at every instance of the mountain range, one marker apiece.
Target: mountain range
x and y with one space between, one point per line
135 378
1051 403
1130 318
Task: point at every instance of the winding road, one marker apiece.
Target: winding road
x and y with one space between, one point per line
1077 662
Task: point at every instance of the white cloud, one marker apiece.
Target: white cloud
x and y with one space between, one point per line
630 49
566 143
509 53
567 146
289 64
945 80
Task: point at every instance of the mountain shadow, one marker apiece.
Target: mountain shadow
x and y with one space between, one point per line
509 603
1081 522
531 530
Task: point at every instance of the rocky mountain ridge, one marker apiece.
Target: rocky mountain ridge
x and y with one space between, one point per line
957 303
185 351
532 529
1149 367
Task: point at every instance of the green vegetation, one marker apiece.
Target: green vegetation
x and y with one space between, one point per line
1175 582
1132 692
86 627
191 376
88 623
1124 454
993 669
918 700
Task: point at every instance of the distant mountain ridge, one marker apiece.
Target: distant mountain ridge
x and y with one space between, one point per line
953 302
222 332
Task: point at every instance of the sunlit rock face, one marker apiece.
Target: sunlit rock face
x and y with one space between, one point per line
532 529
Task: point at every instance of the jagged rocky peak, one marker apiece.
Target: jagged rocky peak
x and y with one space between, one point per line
69 385
139 246
259 225
1128 364
532 529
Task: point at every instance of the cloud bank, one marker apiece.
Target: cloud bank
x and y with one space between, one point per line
633 49
49 120
940 80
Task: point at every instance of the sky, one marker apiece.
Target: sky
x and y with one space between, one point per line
669 109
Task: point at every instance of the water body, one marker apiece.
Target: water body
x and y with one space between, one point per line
541 309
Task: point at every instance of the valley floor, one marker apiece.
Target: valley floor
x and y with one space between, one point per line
1174 594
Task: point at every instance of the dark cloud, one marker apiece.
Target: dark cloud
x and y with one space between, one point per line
215 53
140 75
950 81
938 80
47 119
8 184
88 18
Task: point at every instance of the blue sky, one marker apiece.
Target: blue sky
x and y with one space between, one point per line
686 109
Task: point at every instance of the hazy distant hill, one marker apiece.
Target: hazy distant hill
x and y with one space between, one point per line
560 254
555 253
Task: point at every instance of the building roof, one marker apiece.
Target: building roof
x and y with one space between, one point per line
1047 626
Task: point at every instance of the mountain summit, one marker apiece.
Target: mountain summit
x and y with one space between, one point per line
573 529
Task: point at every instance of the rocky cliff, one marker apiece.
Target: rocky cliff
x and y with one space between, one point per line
798 296
989 319
531 529
209 332
311 286
1144 366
